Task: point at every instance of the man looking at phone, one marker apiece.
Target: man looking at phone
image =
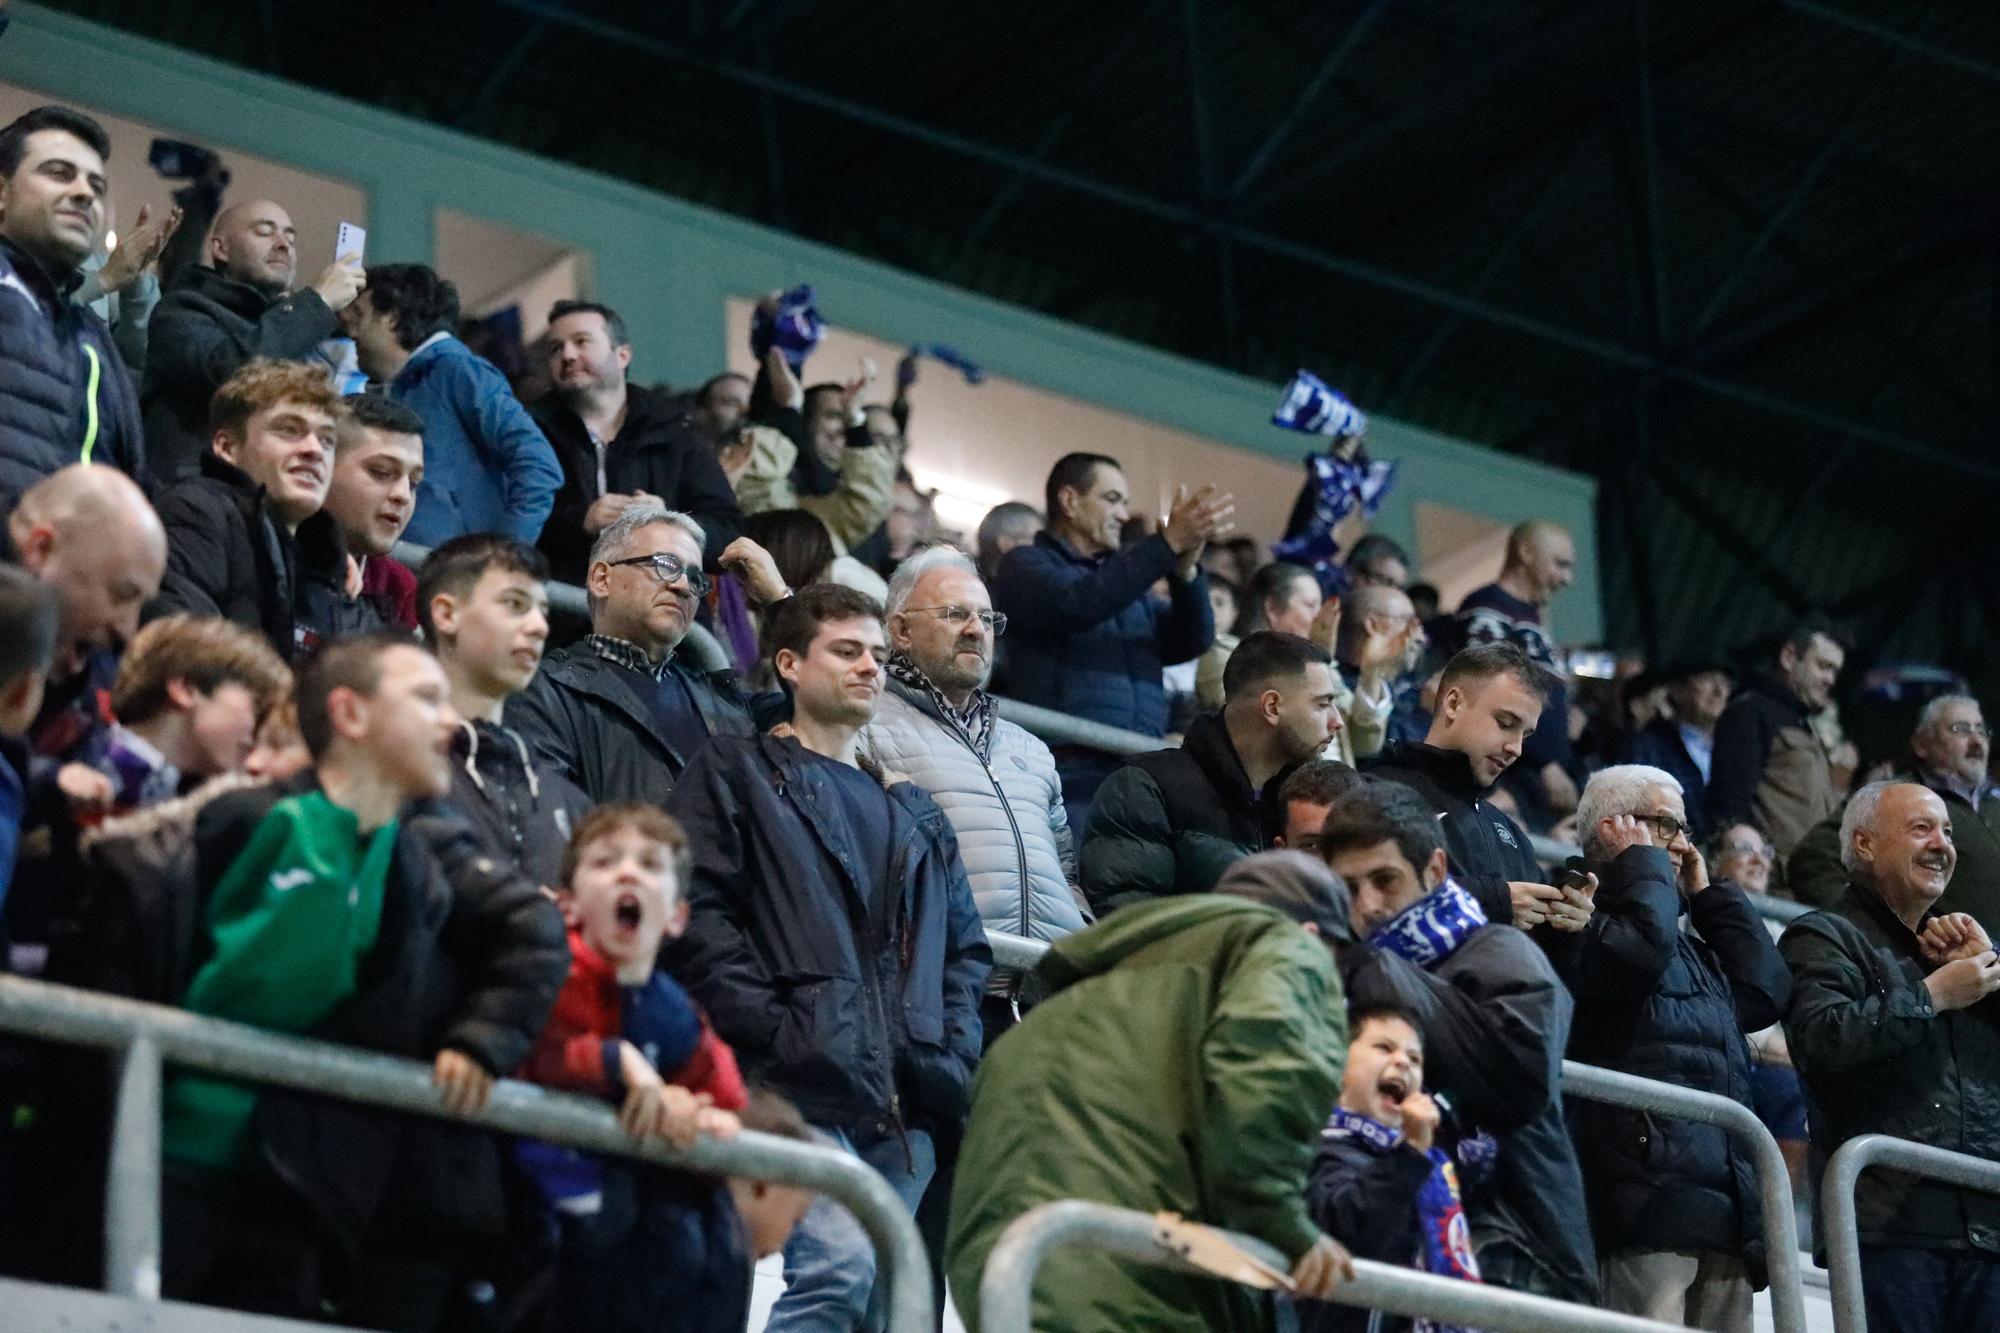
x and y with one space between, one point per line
1674 1202
237 305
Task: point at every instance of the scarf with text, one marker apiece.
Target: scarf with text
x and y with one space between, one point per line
1430 929
1445 1239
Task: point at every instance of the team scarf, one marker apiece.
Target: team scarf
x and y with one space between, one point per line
794 327
975 723
1430 929
1445 1239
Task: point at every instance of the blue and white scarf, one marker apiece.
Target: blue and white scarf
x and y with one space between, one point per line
1445 1239
794 328
1430 929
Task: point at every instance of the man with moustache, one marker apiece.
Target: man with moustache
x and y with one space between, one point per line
620 713
1893 1032
220 315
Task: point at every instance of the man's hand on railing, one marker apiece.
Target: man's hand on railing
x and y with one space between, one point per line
1320 1270
465 1085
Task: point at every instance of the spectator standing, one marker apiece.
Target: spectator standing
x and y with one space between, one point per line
1490 700
619 444
1172 821
622 713
1218 1019
333 910
1541 562
1892 1030
1770 768
1377 562
28 620
1495 1021
121 283
1006 525
1307 795
1089 639
808 864
65 396
1378 642
246 540
221 315
1949 752
485 614
1673 1202
1683 742
378 464
487 466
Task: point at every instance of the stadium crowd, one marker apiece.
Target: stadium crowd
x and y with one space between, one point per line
1309 978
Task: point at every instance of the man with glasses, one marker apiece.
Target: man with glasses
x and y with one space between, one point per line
1379 645
1949 752
1673 1202
621 713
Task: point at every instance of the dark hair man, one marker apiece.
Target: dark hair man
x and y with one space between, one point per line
64 394
378 464
487 466
1006 525
1683 743
1088 637
1769 766
220 315
1174 820
620 444
1495 1022
807 863
1307 795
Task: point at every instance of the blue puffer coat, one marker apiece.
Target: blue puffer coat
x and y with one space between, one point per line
1664 1003
1087 638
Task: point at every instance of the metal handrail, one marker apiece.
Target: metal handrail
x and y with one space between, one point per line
145 1035
1843 1224
1006 1288
1592 1083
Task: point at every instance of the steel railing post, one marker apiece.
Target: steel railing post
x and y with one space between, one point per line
132 1176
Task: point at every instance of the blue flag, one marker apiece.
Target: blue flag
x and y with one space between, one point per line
1311 407
794 328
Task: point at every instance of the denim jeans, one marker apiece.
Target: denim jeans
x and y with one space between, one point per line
830 1262
1908 1290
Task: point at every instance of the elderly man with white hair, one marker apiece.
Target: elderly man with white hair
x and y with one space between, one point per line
1892 1029
1673 1203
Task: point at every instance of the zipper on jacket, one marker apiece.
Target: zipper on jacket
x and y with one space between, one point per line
90 402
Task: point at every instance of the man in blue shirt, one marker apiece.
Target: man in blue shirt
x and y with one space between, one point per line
487 466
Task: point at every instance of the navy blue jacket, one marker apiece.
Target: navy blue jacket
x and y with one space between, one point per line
1085 637
1663 1003
64 394
1661 746
860 1002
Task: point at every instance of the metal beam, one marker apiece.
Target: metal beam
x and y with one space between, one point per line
1307 95
1901 41
1649 258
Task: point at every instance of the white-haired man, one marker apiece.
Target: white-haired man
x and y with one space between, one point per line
620 713
1674 1202
1892 1031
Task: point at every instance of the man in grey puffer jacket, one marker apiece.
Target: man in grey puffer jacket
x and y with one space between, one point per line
996 783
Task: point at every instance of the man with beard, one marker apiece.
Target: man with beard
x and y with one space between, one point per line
1770 767
1893 1032
378 464
621 444
619 713
220 315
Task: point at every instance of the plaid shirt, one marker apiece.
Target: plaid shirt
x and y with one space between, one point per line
628 655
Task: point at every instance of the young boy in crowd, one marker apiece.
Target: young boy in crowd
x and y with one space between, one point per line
1379 1183
634 1248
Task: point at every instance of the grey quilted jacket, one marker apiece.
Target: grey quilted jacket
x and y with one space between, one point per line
1017 850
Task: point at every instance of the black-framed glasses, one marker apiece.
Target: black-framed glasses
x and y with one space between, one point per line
958 617
1665 827
668 569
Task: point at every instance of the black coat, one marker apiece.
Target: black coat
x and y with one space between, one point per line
658 450
858 1001
523 808
1172 821
1673 1005
1659 744
1487 849
228 556
586 718
1877 1058
470 957
205 329
59 373
1367 1200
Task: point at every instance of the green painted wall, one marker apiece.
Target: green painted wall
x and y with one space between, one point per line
671 265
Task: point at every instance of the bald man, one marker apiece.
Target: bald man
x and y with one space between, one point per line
239 304
1541 562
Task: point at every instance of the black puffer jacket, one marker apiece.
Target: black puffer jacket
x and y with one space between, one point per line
586 718
470 956
1878 1058
858 1001
1174 820
205 329
228 556
64 394
1667 1004
1487 848
523 808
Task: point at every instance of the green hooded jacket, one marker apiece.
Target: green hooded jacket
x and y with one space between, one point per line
1186 1060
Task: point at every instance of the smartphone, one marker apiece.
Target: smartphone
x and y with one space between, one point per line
1572 878
349 240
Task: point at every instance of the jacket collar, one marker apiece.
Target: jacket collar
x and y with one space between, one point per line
1068 552
1863 901
1208 744
1768 685
48 285
1450 769
910 814
577 668
239 298
421 356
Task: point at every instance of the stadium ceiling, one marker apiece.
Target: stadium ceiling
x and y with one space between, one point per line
1736 258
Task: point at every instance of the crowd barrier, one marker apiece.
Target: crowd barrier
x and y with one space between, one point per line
1837 1206
143 1037
1006 1289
